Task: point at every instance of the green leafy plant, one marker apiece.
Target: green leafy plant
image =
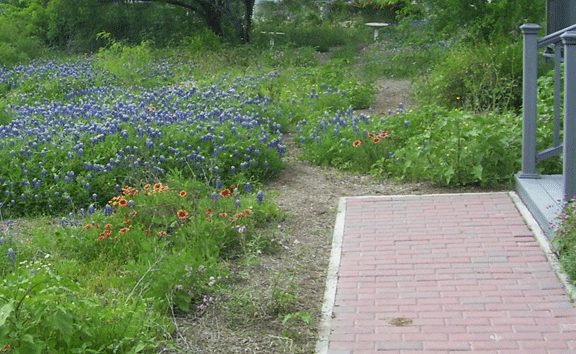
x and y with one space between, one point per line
564 240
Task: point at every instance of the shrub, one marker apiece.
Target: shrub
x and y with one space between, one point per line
484 77
457 148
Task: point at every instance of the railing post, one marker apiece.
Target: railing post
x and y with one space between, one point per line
569 40
529 100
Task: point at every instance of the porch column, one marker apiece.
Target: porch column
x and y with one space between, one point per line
529 100
569 40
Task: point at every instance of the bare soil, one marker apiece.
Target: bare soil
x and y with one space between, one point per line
250 316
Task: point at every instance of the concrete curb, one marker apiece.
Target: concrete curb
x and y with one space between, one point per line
331 280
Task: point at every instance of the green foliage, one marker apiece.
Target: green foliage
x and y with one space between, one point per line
321 37
430 143
483 77
202 42
475 20
16 45
42 312
458 148
564 240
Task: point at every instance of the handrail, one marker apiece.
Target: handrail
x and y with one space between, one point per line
564 42
553 38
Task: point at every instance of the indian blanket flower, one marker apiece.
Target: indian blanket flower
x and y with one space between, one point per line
376 140
124 230
108 226
147 186
158 186
357 143
182 194
104 235
182 214
122 202
208 211
226 193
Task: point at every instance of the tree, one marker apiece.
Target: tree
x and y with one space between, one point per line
237 12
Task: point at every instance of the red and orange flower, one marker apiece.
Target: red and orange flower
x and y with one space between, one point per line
182 214
226 193
357 143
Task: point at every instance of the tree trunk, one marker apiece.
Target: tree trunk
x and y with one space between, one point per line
247 28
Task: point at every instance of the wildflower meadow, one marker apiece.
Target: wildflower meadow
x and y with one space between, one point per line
143 173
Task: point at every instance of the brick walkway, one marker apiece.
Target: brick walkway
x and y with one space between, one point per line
442 274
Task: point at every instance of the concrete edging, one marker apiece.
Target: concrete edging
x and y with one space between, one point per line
331 280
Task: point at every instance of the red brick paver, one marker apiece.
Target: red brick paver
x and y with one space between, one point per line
443 274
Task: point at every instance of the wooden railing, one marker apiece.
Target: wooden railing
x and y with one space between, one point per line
563 45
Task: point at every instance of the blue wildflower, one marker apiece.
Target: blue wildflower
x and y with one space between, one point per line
108 210
94 196
11 254
248 187
91 209
260 197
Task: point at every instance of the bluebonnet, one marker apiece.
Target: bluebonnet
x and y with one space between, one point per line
108 210
260 197
11 254
248 187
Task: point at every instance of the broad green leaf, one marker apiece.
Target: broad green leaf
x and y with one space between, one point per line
5 312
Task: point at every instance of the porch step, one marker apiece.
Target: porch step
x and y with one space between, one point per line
543 197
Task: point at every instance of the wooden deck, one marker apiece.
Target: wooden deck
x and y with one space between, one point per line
543 197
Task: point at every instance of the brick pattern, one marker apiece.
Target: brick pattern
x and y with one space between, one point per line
443 274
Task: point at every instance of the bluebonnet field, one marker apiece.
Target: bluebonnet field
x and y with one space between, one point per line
76 137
